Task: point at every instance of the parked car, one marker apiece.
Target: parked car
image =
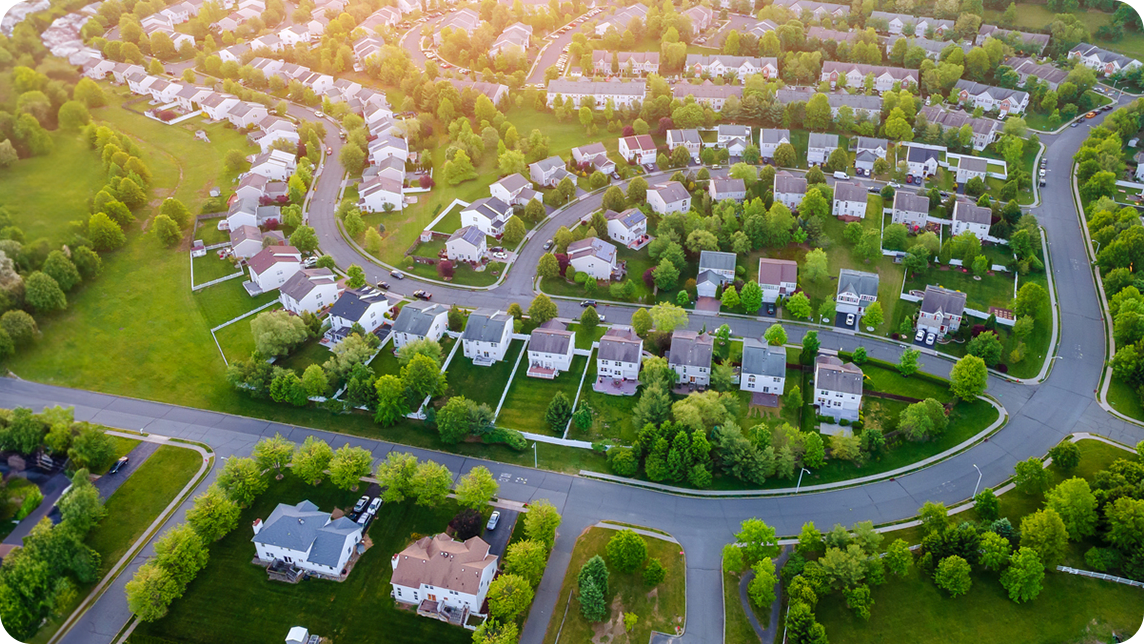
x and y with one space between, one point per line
770 308
397 274
310 262
329 150
1074 124
1090 115
422 295
493 520
930 338
318 113
500 255
841 175
586 303
849 319
920 335
118 465
361 503
383 286
548 244
373 506
364 519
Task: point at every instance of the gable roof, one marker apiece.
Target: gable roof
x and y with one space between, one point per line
629 218
997 93
943 300
592 246
848 191
869 143
777 271
821 140
486 325
303 527
728 185
353 303
691 349
306 280
415 318
771 135
763 360
786 182
469 234
715 260
911 202
550 338
642 142
670 192
442 562
832 374
620 343
972 213
921 154
858 283
973 164
271 255
514 183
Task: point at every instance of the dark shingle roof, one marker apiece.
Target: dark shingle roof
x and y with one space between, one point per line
691 349
832 374
486 325
621 344
943 300
763 360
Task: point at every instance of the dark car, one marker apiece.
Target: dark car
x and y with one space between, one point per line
118 465
586 303
422 295
548 244
770 308
383 286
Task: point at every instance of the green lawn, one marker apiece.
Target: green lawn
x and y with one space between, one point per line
584 340
463 273
210 267
737 629
122 447
483 384
311 352
612 413
223 302
231 595
450 222
1124 399
990 290
661 609
528 398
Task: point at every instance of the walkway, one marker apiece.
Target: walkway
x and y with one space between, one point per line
766 635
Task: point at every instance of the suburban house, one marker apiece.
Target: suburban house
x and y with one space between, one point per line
819 147
861 105
968 216
727 189
837 388
867 151
309 290
550 350
1034 42
514 190
942 310
701 17
376 193
467 20
273 265
305 538
367 47
856 291
596 156
789 189
969 167
487 336
922 160
778 278
739 66
910 209
495 92
466 245
1048 74
932 48
594 257
984 130
639 63
276 165
639 148
390 168
727 132
885 77
849 201
364 306
621 19
690 357
628 227
386 146
707 93
489 214
814 8
446 579
618 359
246 114
666 198
715 270
764 368
548 172
824 35
217 106
248 241
687 139
622 93
515 37
989 98
419 321
770 140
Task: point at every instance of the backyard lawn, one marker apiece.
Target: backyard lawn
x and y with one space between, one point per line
660 609
483 384
311 352
209 268
612 413
990 290
223 302
528 398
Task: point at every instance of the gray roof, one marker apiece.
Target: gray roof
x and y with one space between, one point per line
671 191
820 140
973 164
620 343
611 88
942 300
763 360
353 303
919 154
735 130
551 163
628 218
550 340
786 182
911 202
832 374
490 208
486 325
715 260
946 119
514 183
728 185
835 99
684 136
593 246
301 283
691 349
972 213
847 191
770 135
830 34
470 234
998 93
858 282
303 527
416 317
867 143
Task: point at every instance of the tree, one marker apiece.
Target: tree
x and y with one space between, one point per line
242 480
637 191
453 420
986 346
277 332
667 317
81 509
810 345
348 465
273 453
785 156
757 540
1074 501
542 309
352 159
541 521
968 378
182 553
1125 523
641 322
73 115
559 412
476 488
311 459
213 514
798 305
614 199
908 364
422 378
459 169
899 558
508 596
492 631
150 592
751 297
592 605
1065 455
166 230
392 400
994 551
730 296
1045 532
43 294
91 449
1025 576
873 315
1030 476
430 484
666 275
627 551
953 576
548 267
527 559
986 505
304 239
62 270
514 231
1031 299
815 267
89 93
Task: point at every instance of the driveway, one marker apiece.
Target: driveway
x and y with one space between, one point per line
109 483
52 488
498 539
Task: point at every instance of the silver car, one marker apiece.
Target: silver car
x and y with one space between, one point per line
493 520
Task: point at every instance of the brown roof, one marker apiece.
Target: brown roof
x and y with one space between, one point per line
777 271
272 255
443 563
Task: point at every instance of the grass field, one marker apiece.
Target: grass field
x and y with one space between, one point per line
223 302
612 413
483 384
210 267
990 290
528 398
231 595
737 629
661 608
1124 399
312 352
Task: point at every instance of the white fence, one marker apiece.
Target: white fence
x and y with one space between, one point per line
1101 576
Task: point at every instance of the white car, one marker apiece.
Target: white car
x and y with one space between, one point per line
920 335
930 338
493 520
361 504
849 319
373 507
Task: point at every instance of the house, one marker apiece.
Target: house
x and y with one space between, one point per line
495 92
234 53
548 172
381 194
638 149
849 201
968 216
984 130
621 19
764 368
487 335
738 66
273 129
419 321
932 48
594 155
306 538
488 215
618 357
910 209
824 35
690 357
815 9
550 350
466 245
922 160
466 20
856 291
242 212
595 257
989 98
727 132
666 198
246 114
861 105
727 189
867 151
442 576
366 307
269 41
387 146
628 227
778 278
1028 43
622 93
736 146
367 47
707 93
770 140
837 388
99 69
273 265
247 241
969 167
854 74
789 189
639 63
309 290
701 18
294 35
1047 74
688 139
896 23
715 270
516 37
276 165
942 310
819 147
514 190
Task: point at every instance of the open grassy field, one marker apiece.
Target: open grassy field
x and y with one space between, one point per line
990 290
483 384
234 596
661 608
528 398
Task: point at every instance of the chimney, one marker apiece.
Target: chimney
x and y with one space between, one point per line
257 526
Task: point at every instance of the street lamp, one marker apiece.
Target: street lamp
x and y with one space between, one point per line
804 471
978 479
534 460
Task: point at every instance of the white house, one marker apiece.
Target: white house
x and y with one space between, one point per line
701 17
466 245
739 66
467 20
707 93
922 160
487 336
715 269
489 214
387 146
624 94
849 201
548 172
867 152
419 321
376 193
247 241
837 388
305 537
618 360
550 350
789 189
293 35
942 310
721 189
639 148
246 114
856 291
969 167
855 75
273 265
726 132
989 98
627 62
910 209
363 306
819 147
764 368
621 19
778 278
514 190
690 357
594 257
595 155
968 216
769 141
687 139
1100 60
440 575
628 227
276 165
309 290
666 198
515 37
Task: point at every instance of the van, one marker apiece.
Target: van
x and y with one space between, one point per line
841 175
